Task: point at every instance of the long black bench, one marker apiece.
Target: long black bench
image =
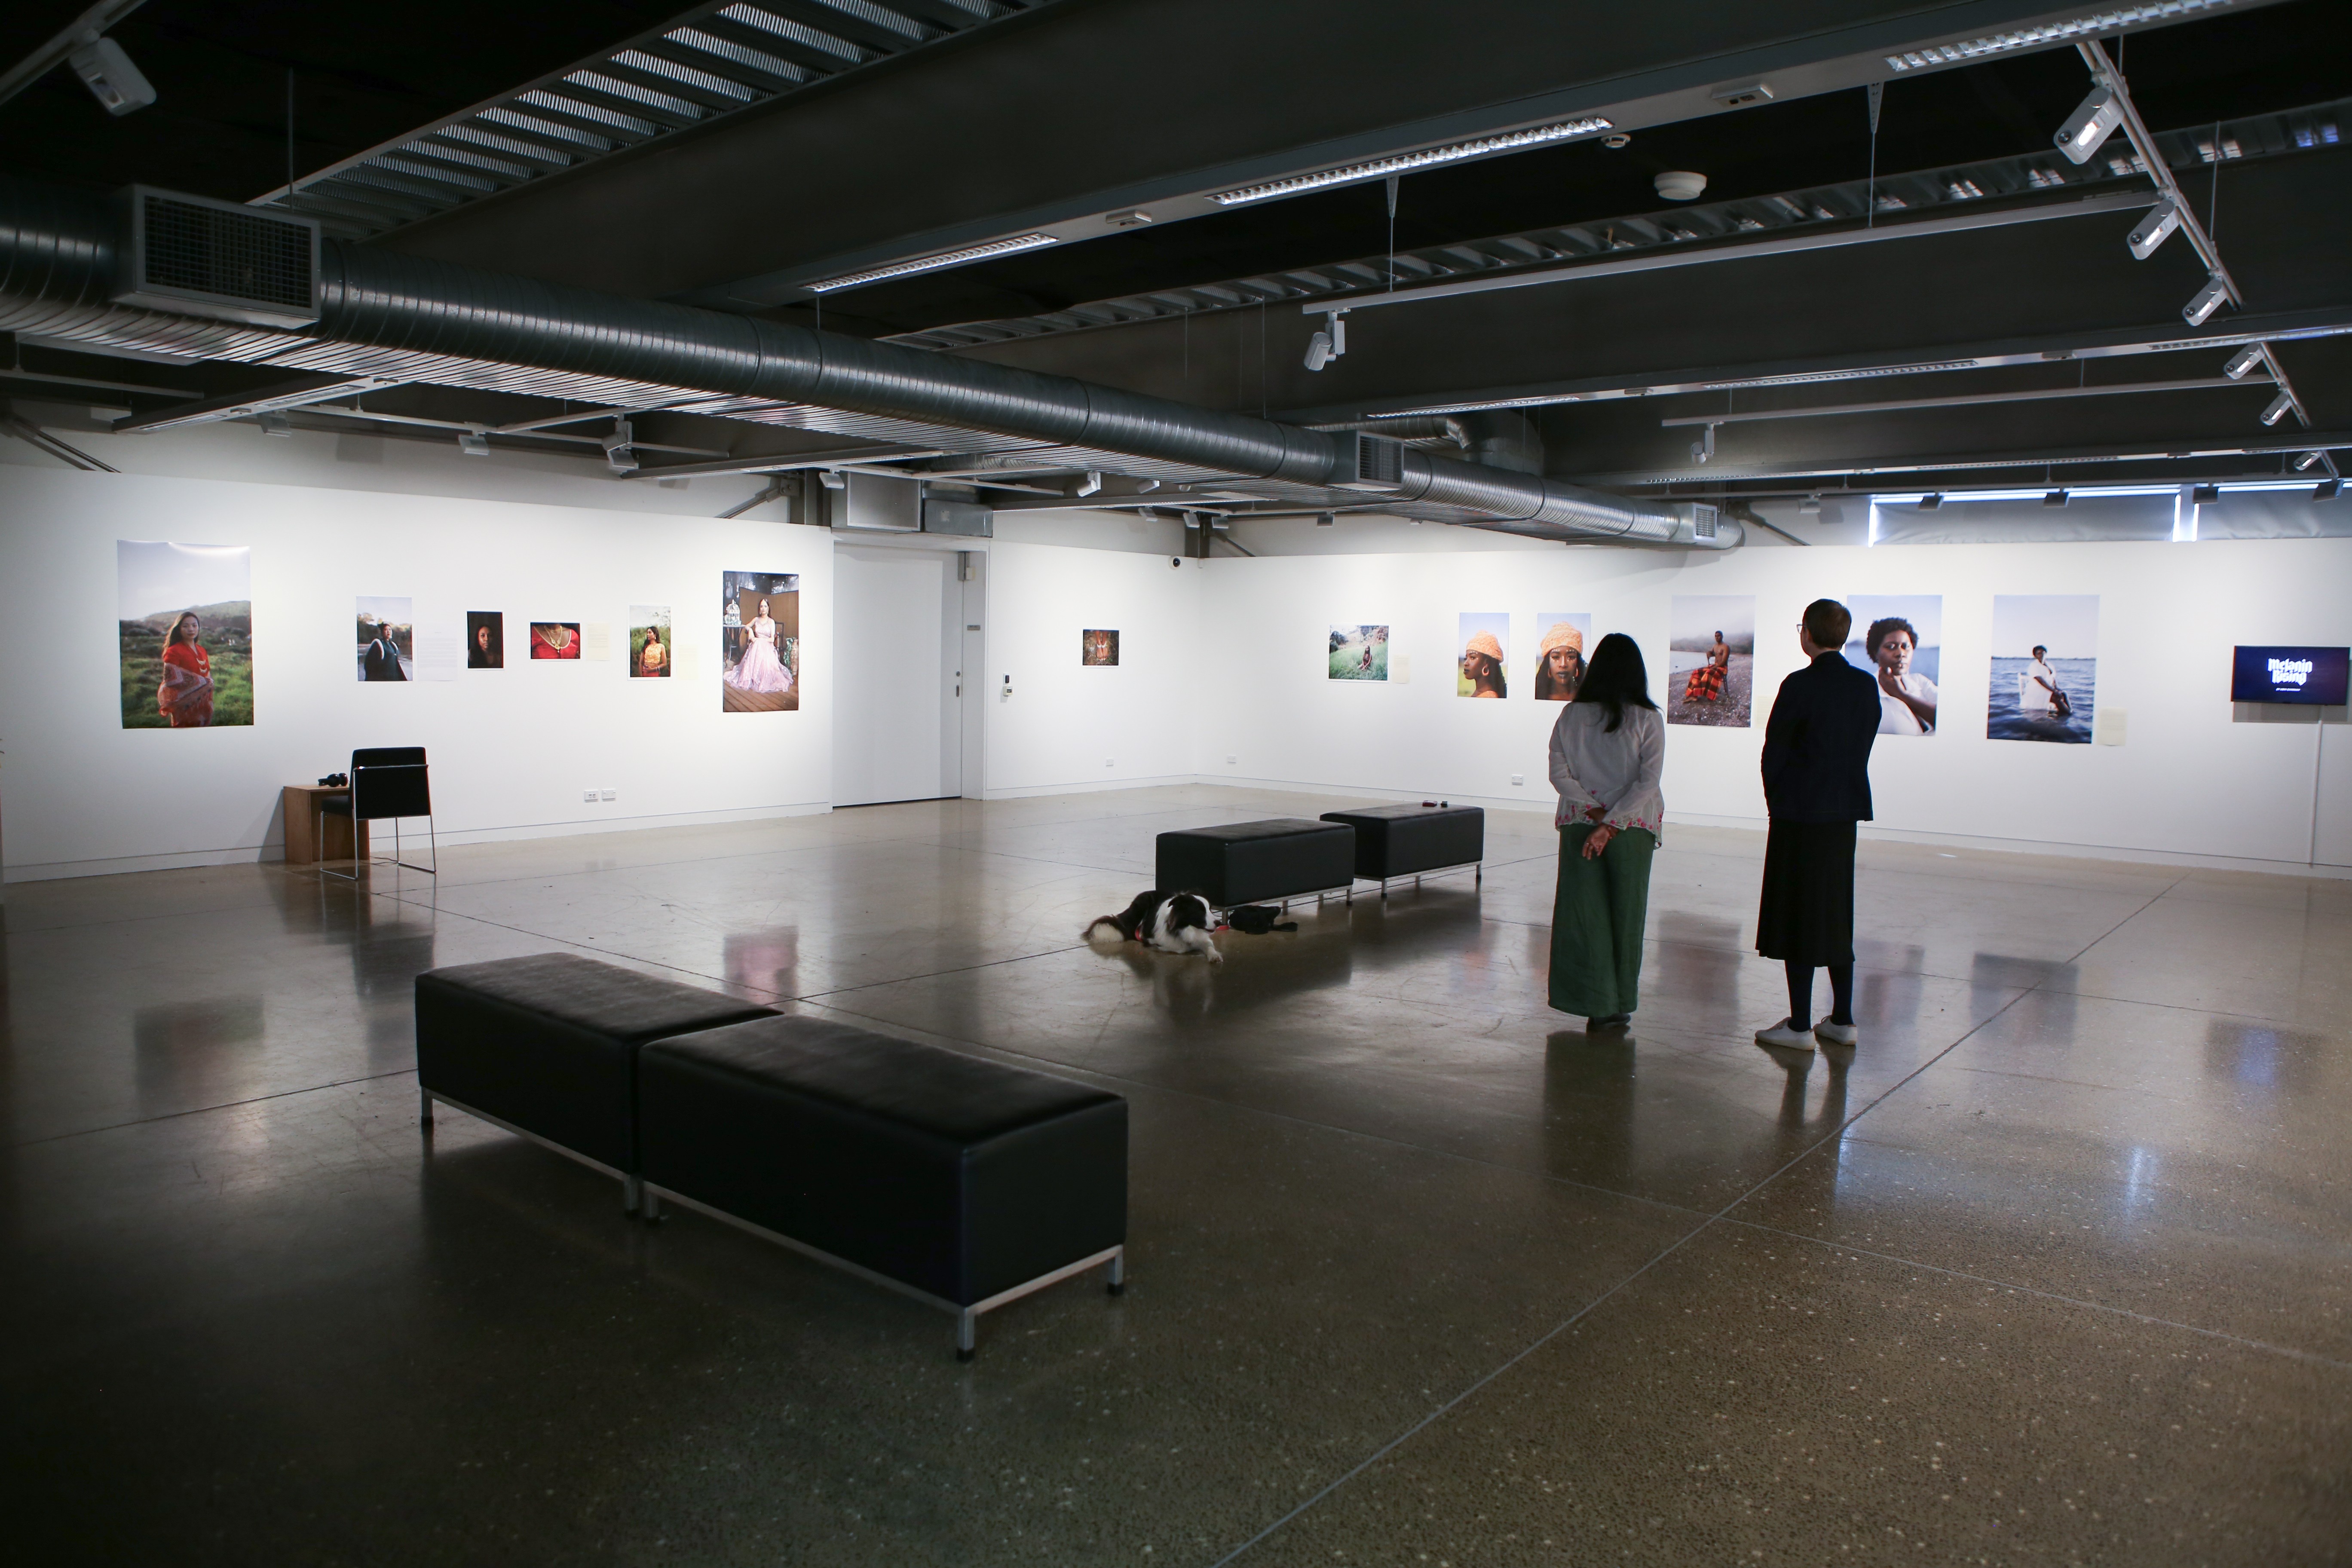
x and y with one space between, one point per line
962 1183
1257 862
1394 841
547 1045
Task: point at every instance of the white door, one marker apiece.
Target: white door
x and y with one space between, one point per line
896 620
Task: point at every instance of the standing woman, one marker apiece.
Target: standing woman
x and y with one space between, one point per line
185 696
1608 748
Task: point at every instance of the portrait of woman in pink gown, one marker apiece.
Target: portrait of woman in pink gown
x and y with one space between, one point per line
760 634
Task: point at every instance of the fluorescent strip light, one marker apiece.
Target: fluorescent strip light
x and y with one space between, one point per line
1405 163
2049 32
933 263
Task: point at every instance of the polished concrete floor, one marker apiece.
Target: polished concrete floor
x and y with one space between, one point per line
2054 1268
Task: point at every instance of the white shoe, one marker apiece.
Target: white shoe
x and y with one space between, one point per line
1786 1033
1834 1034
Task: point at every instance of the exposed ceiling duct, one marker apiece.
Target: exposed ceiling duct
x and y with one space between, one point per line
394 317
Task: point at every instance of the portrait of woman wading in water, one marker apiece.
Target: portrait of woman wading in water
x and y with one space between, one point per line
1608 748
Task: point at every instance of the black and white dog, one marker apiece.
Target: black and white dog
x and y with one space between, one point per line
1172 923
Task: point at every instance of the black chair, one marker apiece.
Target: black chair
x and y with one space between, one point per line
387 782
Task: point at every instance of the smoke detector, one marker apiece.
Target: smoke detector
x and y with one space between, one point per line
1681 184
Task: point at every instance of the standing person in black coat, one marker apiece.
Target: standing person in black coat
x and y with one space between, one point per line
1817 787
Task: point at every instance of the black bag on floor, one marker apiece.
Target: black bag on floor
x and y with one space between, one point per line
1258 920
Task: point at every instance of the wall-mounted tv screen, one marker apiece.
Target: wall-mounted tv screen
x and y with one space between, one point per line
2316 676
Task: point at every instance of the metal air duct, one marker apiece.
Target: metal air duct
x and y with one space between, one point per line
380 311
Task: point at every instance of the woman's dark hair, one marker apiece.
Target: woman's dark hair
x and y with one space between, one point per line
1616 675
1881 630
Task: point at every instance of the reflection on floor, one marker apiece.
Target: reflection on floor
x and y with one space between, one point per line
2055 1268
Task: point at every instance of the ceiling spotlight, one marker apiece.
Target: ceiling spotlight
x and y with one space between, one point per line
2209 300
2088 126
1681 184
1319 350
2325 489
2309 461
1703 449
2204 495
1809 507
2281 406
616 448
1092 484
474 444
2245 360
1329 343
110 77
1930 503
1323 519
1618 141
2054 498
2154 229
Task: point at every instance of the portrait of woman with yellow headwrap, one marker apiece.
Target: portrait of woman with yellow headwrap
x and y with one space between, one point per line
1483 639
1559 654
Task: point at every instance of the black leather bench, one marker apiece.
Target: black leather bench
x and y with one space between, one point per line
1257 862
962 1183
1408 840
546 1045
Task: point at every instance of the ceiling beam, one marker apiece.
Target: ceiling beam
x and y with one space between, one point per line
1967 400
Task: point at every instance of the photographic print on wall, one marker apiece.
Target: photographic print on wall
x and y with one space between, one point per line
2045 668
183 623
387 639
760 642
1711 667
486 639
1899 641
1561 639
650 642
1485 639
1097 649
554 639
1359 653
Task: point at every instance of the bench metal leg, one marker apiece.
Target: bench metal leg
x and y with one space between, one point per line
648 1206
425 1108
965 1337
633 1193
1118 1273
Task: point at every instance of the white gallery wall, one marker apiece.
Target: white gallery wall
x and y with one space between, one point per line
2195 777
1222 673
1064 725
513 750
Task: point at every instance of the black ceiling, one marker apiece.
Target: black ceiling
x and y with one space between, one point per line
366 76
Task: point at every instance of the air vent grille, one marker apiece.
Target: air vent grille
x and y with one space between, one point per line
1371 463
220 259
1702 521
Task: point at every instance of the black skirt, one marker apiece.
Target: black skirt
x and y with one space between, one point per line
1806 915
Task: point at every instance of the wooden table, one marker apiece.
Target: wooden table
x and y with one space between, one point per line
303 820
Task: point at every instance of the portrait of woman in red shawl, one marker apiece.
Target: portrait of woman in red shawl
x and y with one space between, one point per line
185 696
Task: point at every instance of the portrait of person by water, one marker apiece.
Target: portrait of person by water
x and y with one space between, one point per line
555 639
1899 641
486 639
1711 673
1562 637
2045 668
650 642
760 645
1485 643
387 639
1359 653
183 625
1097 649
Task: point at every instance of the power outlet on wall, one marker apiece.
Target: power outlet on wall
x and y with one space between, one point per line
1105 761
1519 778
587 794
1232 759
612 794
